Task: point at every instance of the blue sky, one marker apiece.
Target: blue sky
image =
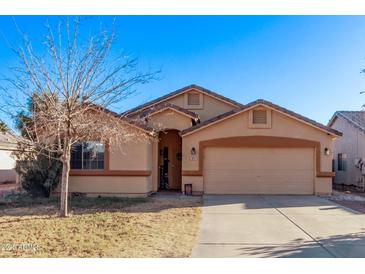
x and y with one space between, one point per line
309 64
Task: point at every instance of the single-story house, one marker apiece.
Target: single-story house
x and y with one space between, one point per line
8 144
214 145
349 151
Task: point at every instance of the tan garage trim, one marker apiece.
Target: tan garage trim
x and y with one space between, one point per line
259 141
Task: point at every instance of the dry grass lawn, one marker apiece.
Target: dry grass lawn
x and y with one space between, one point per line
148 227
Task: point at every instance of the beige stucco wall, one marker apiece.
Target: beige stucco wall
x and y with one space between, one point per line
323 186
351 143
169 119
211 106
282 126
196 181
132 156
109 185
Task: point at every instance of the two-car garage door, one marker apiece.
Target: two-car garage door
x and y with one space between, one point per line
258 170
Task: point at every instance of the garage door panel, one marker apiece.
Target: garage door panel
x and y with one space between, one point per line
270 158
258 171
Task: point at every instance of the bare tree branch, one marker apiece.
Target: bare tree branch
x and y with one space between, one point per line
70 87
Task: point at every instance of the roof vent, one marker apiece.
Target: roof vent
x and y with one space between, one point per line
259 116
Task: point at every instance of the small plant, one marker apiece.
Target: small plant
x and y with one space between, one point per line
11 196
40 176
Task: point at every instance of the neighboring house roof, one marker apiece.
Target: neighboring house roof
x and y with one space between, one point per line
8 142
271 105
355 118
166 106
176 93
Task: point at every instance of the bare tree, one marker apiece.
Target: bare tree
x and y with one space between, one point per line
71 85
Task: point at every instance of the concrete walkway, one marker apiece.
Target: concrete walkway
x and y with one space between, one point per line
278 226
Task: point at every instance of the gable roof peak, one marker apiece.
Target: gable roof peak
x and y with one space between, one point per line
165 106
268 104
178 92
259 101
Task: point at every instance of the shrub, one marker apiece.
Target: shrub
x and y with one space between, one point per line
40 176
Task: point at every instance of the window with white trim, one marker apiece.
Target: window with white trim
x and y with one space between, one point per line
87 155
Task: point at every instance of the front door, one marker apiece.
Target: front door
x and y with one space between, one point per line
170 147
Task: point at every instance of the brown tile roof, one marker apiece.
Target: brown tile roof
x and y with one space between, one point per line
176 92
263 102
355 118
134 122
163 106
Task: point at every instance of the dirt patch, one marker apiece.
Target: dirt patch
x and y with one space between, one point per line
153 228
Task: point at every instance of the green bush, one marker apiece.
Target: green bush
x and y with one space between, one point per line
40 176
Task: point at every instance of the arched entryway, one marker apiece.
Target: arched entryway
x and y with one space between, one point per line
169 160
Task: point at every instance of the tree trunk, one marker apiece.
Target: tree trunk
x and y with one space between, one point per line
64 182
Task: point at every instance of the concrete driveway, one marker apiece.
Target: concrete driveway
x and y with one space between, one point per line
278 226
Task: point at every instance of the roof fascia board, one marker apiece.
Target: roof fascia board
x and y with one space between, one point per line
253 106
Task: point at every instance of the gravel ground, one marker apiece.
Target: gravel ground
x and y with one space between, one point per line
346 196
350 200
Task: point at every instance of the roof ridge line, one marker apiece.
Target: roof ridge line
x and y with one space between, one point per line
161 107
175 93
269 104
